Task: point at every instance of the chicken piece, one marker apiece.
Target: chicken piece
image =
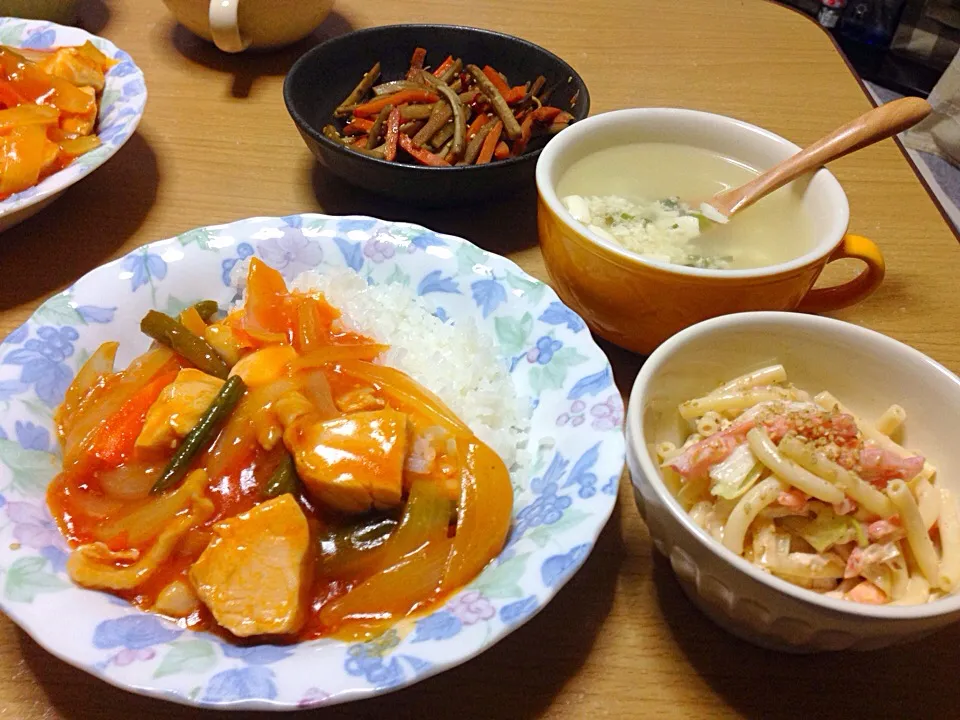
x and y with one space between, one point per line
352 464
179 407
358 400
254 572
74 67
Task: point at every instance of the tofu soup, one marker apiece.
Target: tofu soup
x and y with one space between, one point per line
637 196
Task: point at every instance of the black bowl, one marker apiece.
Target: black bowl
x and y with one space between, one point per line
325 75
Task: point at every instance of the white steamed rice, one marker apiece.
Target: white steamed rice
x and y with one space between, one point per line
458 362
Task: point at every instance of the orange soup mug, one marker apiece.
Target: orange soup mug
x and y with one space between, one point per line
637 303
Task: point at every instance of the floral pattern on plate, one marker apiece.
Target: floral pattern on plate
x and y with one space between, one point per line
562 499
121 106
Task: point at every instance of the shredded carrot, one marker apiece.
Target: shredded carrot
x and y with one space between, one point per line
490 144
404 96
416 62
392 134
545 114
115 438
502 151
420 154
358 126
515 94
526 130
494 77
478 122
442 67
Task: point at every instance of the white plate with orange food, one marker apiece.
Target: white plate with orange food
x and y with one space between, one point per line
369 455
68 101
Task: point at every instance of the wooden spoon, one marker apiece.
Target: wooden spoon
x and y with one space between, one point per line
873 126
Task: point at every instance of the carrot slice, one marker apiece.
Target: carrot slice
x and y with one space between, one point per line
442 67
371 108
494 77
358 126
421 155
515 94
416 62
545 113
526 131
478 122
266 309
115 439
490 144
392 134
502 151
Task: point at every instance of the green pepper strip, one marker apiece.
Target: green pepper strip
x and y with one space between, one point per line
284 479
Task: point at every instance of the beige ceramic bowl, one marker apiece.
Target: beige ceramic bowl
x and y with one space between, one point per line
866 371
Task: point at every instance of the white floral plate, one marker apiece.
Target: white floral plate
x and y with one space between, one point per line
121 107
560 506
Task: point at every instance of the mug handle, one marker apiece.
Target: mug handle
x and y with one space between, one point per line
224 26
852 291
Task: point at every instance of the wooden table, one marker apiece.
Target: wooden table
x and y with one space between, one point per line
620 640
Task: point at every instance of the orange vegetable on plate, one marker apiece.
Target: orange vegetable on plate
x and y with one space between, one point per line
49 111
310 443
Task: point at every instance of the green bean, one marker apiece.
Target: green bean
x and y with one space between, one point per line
167 331
362 88
202 433
510 124
284 479
374 134
206 309
344 549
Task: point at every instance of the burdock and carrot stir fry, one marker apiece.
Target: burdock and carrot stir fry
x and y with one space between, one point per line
454 114
262 473
49 111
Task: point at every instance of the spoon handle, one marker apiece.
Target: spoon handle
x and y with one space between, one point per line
873 126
